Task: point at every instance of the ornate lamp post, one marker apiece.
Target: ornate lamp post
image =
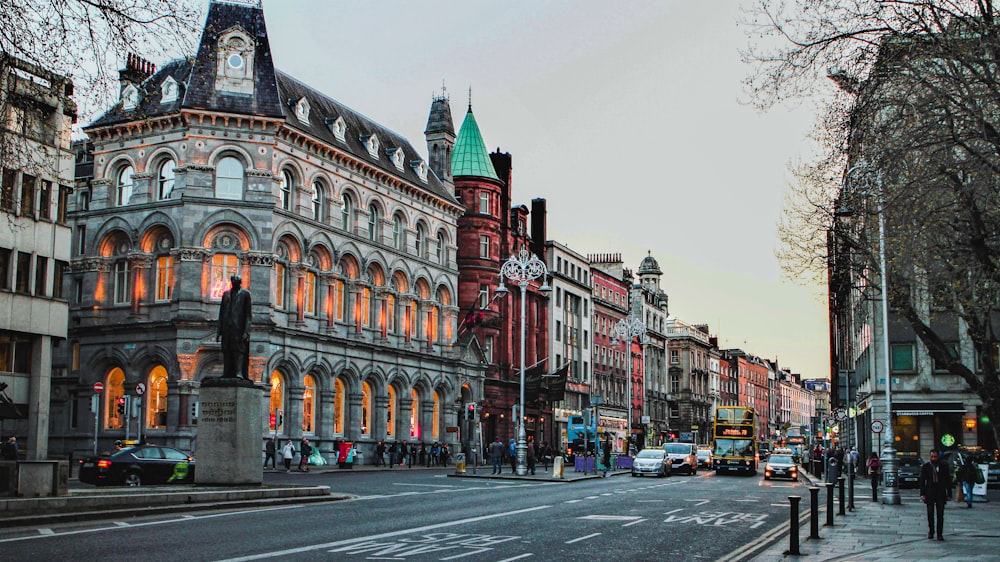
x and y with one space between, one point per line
891 494
522 269
627 328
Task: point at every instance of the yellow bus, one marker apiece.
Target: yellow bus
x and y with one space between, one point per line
734 440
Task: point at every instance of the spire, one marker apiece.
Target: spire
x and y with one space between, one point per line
470 157
440 135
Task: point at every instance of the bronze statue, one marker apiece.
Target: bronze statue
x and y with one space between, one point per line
234 330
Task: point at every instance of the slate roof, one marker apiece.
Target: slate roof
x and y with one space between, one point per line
276 96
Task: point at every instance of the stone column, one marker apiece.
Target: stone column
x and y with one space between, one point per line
293 413
324 413
379 417
403 421
142 283
39 391
352 425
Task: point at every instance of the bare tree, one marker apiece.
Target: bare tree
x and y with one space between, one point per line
918 104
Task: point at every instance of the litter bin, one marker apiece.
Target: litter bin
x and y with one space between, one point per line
345 459
460 463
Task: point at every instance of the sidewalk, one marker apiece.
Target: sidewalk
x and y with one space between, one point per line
874 531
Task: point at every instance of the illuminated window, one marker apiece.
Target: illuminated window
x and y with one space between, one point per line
309 298
279 285
318 194
339 397
122 282
308 404
114 388
390 414
374 223
390 314
338 299
123 185
165 179
366 408
164 278
287 183
436 421
223 267
156 408
277 399
431 329
365 308
229 178
414 415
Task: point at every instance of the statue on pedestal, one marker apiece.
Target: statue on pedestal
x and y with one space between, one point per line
234 330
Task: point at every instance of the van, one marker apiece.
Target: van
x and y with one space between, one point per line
683 457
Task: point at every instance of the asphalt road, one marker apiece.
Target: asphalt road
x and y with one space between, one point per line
426 515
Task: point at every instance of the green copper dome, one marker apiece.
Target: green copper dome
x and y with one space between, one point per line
469 157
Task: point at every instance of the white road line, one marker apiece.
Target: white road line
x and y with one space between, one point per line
572 501
424 485
635 522
464 554
583 538
345 542
122 524
46 532
527 555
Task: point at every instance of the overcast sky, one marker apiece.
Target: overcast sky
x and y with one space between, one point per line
626 116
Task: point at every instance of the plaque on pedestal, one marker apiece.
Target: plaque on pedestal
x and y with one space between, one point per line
228 447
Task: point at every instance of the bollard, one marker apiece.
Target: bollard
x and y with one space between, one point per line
793 525
829 503
850 489
460 463
557 466
840 495
814 512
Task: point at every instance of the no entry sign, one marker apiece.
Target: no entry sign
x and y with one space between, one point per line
98 387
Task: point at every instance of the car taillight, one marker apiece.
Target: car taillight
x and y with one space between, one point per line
103 464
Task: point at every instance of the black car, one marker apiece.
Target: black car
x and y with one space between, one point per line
908 471
135 466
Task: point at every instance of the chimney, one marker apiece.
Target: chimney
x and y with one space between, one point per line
538 226
136 71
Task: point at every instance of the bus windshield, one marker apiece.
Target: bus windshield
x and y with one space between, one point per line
733 448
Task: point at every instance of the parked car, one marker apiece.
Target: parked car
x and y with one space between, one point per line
139 465
908 472
651 461
683 457
704 458
781 466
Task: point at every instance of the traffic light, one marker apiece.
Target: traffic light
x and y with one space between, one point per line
470 411
121 405
280 419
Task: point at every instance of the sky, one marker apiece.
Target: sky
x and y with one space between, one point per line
629 118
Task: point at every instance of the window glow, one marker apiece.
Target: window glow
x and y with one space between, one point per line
308 404
277 399
366 408
156 408
164 278
279 285
339 395
223 267
114 388
390 414
414 414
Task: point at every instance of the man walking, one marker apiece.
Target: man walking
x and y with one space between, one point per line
496 455
935 483
269 452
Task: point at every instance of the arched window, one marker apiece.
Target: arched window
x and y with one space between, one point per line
374 223
442 249
280 283
436 420
309 293
318 195
414 415
277 399
122 281
123 185
287 184
223 267
339 398
165 179
114 389
390 414
229 178
156 408
366 408
347 213
308 404
398 232
420 244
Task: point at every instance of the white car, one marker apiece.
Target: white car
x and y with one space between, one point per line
651 461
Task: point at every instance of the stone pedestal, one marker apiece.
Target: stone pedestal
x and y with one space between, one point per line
228 447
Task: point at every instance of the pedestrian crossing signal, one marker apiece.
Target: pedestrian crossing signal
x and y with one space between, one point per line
470 411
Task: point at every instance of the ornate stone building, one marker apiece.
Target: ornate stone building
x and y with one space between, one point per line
220 164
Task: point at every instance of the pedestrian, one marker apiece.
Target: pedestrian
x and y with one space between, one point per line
546 456
512 453
9 449
531 457
444 453
413 454
380 454
854 461
935 485
874 472
424 459
606 459
435 453
269 452
967 478
304 451
496 455
287 454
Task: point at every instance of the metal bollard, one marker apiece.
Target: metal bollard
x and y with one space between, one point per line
850 489
793 525
813 512
840 495
829 503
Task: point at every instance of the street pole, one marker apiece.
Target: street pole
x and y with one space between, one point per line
522 269
626 329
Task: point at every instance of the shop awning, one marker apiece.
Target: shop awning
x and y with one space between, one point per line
927 408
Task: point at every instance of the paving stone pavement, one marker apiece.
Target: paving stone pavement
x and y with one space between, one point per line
874 531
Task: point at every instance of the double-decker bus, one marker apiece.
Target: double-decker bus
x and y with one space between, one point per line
734 440
581 431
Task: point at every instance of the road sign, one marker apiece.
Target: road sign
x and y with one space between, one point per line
840 414
98 387
140 388
877 426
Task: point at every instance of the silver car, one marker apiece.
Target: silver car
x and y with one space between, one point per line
651 461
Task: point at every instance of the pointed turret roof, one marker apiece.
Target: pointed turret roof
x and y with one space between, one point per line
470 157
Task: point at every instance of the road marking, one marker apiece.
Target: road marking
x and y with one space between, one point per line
527 555
464 554
46 532
634 522
425 485
572 501
610 517
674 511
122 524
583 538
355 540
700 502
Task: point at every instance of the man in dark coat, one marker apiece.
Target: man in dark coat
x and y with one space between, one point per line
935 484
234 330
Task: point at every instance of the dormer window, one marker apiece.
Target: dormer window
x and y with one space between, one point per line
130 98
168 91
398 158
338 127
235 62
422 169
372 144
302 110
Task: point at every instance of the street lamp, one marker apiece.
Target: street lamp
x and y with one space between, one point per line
891 494
627 328
522 269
